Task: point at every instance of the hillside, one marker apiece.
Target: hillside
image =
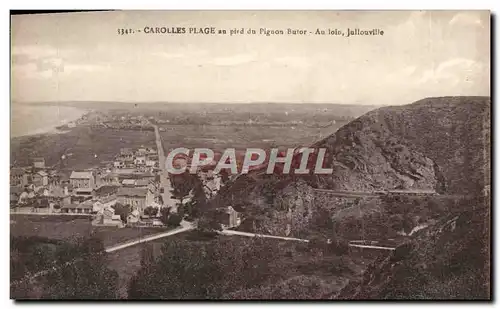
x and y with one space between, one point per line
449 260
452 131
436 143
365 155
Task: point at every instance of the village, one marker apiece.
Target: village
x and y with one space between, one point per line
133 191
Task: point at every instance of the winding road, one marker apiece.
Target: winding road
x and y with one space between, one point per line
246 234
185 226
351 243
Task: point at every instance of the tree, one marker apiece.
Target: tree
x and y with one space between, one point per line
86 276
174 220
186 270
269 192
323 220
198 202
181 272
188 185
147 255
182 185
208 222
151 211
164 214
122 210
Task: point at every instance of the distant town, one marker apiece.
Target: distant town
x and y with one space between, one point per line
134 180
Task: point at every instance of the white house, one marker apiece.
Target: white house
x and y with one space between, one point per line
134 216
39 163
118 164
82 180
150 162
140 160
103 203
41 178
128 182
25 196
106 216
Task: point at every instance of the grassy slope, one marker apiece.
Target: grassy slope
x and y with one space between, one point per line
450 260
70 228
82 142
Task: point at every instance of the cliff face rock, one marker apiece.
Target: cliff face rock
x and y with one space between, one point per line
452 131
437 144
292 210
277 208
365 155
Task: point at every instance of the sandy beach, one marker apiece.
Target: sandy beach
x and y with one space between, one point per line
33 120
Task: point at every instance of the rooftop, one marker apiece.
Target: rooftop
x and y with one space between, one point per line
17 171
128 182
140 192
142 182
107 199
42 173
109 176
105 190
74 206
81 175
227 210
16 190
83 190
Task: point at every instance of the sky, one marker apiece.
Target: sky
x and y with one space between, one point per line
81 57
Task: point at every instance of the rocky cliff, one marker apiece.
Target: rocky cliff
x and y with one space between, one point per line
437 144
366 155
452 131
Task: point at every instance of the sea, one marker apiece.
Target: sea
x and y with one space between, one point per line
29 119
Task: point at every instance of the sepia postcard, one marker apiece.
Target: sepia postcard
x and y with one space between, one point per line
250 155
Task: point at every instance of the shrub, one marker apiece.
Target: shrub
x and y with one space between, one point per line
174 220
151 211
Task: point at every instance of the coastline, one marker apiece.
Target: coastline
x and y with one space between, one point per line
50 123
49 130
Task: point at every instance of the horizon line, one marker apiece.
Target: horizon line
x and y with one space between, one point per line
237 102
188 102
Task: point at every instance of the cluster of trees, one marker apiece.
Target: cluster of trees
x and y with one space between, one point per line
29 255
151 211
210 269
189 270
396 214
74 271
171 219
232 268
188 189
122 210
299 287
165 215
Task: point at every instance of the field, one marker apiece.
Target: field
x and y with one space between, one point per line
112 236
67 228
70 228
216 126
80 145
220 137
